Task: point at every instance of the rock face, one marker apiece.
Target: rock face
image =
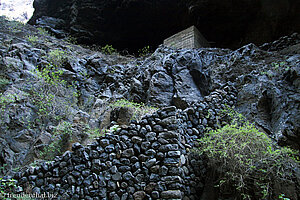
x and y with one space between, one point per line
142 159
130 24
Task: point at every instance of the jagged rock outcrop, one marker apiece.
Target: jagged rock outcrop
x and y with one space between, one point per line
130 24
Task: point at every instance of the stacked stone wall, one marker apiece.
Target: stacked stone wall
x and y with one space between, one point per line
148 159
188 38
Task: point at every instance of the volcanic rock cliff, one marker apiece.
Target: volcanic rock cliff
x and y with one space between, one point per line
56 97
131 24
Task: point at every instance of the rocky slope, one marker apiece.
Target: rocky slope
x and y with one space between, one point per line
50 87
130 24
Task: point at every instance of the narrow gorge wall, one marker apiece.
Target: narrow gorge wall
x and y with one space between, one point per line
132 25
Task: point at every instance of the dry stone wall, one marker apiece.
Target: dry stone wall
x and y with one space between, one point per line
148 159
188 38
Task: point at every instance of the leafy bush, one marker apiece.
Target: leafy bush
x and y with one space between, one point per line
43 32
108 49
71 40
52 96
3 82
6 187
60 140
246 161
280 67
15 26
57 57
5 101
95 133
32 39
139 109
144 51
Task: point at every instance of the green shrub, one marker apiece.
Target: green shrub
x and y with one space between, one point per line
60 141
246 161
6 187
280 67
71 40
95 133
57 57
108 49
5 102
52 96
32 39
139 109
145 51
3 82
43 32
15 26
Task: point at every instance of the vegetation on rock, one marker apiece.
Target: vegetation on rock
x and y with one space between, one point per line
246 161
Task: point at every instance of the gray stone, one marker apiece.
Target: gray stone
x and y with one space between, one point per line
103 156
160 156
88 181
158 128
155 194
150 187
86 173
86 156
154 177
137 140
174 171
117 176
137 148
79 167
168 135
104 142
140 177
113 169
172 179
171 161
139 195
76 146
136 166
151 136
155 169
134 159
32 177
39 182
124 168
110 148
161 89
143 157
168 121
155 145
171 194
145 145
107 176
124 185
168 147
163 170
128 153
150 152
71 180
174 153
36 190
150 162
111 186
127 176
